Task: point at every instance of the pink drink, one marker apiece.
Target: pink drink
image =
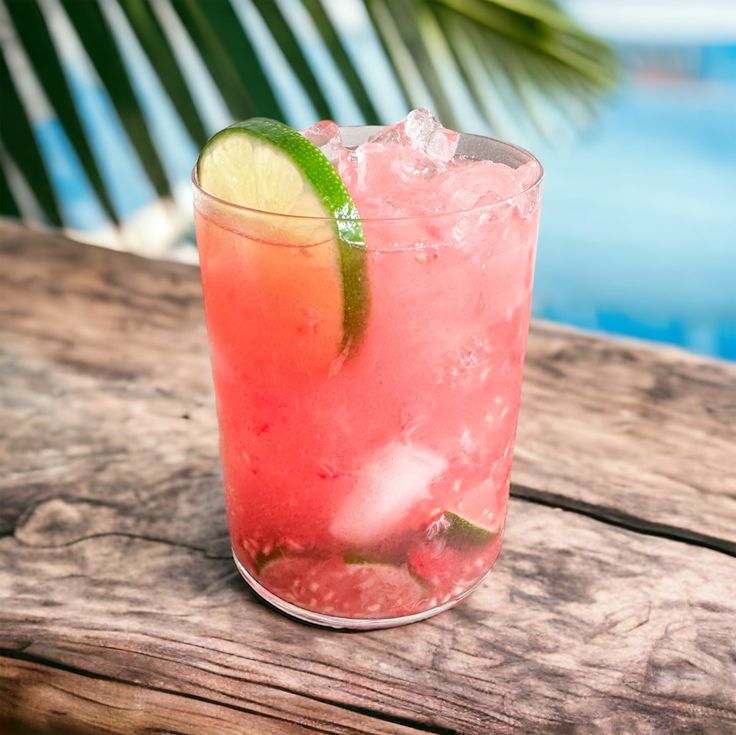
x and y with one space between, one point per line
369 488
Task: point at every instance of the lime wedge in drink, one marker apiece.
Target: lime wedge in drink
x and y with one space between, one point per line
267 167
461 533
262 560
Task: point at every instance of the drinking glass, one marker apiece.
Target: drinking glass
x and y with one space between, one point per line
366 485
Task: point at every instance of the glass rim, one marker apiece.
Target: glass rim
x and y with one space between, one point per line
404 218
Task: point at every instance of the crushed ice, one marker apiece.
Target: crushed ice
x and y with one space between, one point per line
411 169
422 132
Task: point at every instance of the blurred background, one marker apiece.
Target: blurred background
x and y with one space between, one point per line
630 105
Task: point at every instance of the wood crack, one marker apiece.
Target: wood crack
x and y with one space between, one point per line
59 666
432 729
123 534
622 519
21 655
385 717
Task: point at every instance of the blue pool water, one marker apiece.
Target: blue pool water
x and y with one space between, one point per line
638 232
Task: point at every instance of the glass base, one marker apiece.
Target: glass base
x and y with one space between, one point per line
339 623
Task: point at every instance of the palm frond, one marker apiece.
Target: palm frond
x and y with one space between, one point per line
34 36
8 205
406 71
527 46
407 22
19 143
473 71
226 49
513 59
342 59
99 42
289 45
156 45
540 29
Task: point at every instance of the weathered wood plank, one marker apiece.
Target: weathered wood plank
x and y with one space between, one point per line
117 593
580 623
617 424
44 699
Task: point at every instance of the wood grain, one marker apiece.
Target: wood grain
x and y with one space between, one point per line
649 431
121 611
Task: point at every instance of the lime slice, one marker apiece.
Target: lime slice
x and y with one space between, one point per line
350 557
262 560
461 533
266 166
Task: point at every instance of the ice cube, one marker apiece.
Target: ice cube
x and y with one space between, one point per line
325 134
322 132
410 170
419 126
392 482
527 175
422 132
441 147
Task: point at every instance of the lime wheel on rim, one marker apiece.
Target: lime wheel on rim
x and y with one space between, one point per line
267 167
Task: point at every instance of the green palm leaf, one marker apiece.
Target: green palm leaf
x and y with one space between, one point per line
99 43
156 46
16 135
470 67
287 42
515 59
342 59
407 22
8 205
230 57
398 56
32 31
539 29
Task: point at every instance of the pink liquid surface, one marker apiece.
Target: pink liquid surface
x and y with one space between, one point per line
343 475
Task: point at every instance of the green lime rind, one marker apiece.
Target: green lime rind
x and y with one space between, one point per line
421 581
330 190
357 560
261 560
462 534
352 558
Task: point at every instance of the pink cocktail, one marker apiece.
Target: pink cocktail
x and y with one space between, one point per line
367 485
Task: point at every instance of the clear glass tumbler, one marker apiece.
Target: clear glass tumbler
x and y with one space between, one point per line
368 487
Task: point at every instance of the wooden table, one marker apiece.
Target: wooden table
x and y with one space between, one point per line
611 610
